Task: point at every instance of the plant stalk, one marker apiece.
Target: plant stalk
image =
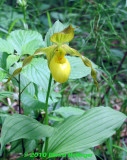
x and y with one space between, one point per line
19 96
46 110
23 148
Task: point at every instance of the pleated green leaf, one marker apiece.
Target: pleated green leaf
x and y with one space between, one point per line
38 72
69 111
30 102
19 126
30 145
54 96
78 69
25 41
87 155
5 46
11 59
78 133
30 88
3 60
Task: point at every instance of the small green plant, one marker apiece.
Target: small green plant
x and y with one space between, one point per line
52 132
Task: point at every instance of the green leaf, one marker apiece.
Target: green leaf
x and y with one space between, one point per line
3 58
19 126
2 75
24 81
25 41
87 155
29 145
78 133
57 27
5 46
3 115
69 111
11 59
54 97
37 72
30 88
29 102
4 94
78 69
55 118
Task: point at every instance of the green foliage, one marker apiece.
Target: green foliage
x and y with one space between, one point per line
5 94
78 133
3 60
88 155
16 146
5 46
19 126
101 37
69 111
25 42
2 75
31 103
38 72
54 97
78 69
11 59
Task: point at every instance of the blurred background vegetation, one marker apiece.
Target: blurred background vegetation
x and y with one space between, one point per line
101 36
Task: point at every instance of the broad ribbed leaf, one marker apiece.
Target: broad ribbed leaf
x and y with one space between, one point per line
54 97
30 86
87 155
25 41
78 133
69 111
55 118
29 102
57 27
19 126
29 145
3 58
5 46
78 69
11 59
24 81
38 72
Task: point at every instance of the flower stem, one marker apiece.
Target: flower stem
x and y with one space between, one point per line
23 148
46 110
19 96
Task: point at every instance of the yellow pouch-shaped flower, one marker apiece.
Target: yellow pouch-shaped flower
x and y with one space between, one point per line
60 69
58 64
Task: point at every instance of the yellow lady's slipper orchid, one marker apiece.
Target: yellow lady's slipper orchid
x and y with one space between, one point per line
58 64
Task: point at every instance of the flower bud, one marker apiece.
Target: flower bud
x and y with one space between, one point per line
22 2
